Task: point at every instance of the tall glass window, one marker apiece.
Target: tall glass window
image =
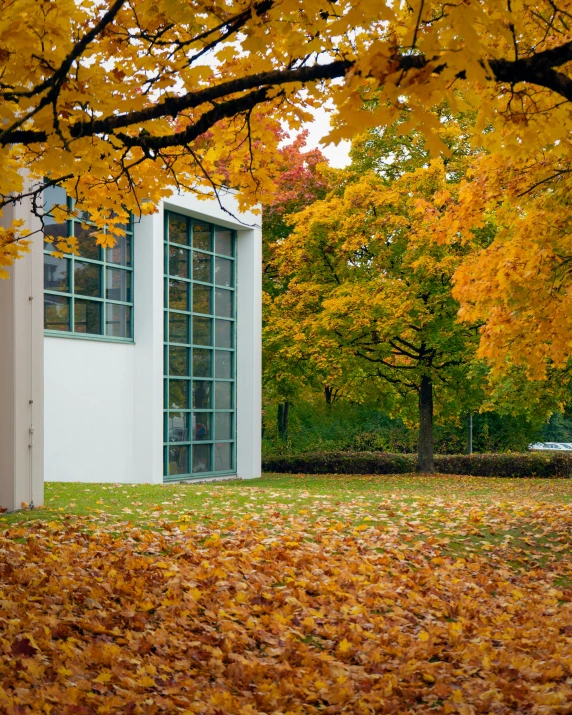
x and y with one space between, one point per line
200 310
90 294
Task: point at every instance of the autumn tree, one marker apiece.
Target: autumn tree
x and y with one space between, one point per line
300 179
118 101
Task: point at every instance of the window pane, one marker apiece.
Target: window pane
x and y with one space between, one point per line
178 364
121 252
178 295
201 458
223 333
87 279
223 303
223 395
178 460
202 236
202 267
202 362
118 285
178 262
223 241
178 328
223 425
118 320
178 229
54 232
178 395
202 331
223 272
53 195
87 317
202 299
223 457
223 364
56 312
86 245
201 425
201 394
56 273
178 427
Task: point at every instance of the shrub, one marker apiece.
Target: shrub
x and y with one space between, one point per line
533 464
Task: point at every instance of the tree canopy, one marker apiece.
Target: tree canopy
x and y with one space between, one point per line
120 100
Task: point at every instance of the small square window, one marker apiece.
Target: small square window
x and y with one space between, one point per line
202 360
178 426
223 241
202 237
178 460
87 279
202 426
202 267
201 458
87 316
118 320
120 254
223 457
223 303
179 262
57 274
223 364
86 245
178 328
223 395
223 272
56 313
178 395
201 394
178 362
202 331
224 333
202 299
223 425
178 295
118 285
178 229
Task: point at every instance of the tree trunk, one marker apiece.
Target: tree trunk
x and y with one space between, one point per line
425 462
283 410
328 393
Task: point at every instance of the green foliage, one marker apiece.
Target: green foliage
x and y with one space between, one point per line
533 464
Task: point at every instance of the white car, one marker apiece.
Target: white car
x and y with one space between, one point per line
552 446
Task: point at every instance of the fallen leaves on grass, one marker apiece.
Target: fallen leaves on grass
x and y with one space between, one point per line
301 613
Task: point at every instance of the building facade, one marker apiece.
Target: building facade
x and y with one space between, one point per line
140 363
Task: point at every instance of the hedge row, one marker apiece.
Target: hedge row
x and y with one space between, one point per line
532 464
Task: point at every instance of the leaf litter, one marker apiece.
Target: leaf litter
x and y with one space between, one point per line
288 603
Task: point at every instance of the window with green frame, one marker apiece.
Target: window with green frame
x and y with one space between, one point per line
90 294
200 320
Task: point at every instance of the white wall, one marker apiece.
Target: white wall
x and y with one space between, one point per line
104 401
89 415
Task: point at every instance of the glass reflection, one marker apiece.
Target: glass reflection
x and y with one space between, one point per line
223 364
202 299
178 262
223 241
178 460
56 273
178 295
223 425
118 285
223 333
56 313
121 251
178 364
87 279
202 236
178 426
202 331
202 267
86 245
87 317
223 272
201 425
118 320
201 458
178 328
223 395
202 362
178 395
223 457
201 394
223 303
178 229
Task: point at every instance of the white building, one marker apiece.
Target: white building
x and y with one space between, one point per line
145 364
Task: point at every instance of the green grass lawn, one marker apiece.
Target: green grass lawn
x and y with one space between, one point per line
531 517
